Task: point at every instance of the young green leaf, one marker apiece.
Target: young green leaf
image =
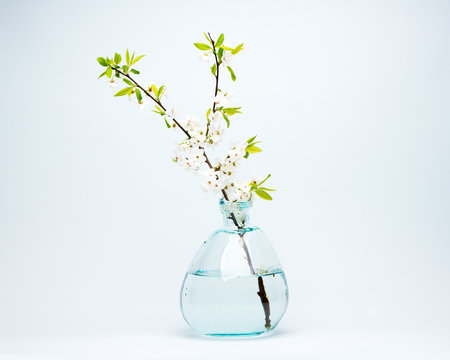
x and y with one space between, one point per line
213 69
109 72
262 182
263 195
237 49
253 149
135 71
138 95
132 57
233 77
128 82
201 46
231 111
160 91
161 111
207 114
220 40
249 141
102 61
137 59
123 92
127 58
220 54
117 58
246 155
226 119
155 90
167 124
207 38
102 74
266 189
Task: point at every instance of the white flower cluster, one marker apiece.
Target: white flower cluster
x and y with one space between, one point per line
190 155
224 176
209 57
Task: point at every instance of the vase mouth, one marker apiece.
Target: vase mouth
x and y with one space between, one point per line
235 205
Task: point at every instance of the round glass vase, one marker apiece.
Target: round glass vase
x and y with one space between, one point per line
235 285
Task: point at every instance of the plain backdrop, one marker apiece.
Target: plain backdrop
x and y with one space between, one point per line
350 98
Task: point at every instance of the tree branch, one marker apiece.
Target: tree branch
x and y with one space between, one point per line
153 98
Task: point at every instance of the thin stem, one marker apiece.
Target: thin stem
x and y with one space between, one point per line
217 79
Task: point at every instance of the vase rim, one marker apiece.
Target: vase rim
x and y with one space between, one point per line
235 204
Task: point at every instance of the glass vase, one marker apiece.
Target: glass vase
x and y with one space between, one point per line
235 285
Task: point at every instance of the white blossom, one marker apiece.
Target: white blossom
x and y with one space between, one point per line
112 82
213 181
221 99
227 57
141 104
205 56
171 113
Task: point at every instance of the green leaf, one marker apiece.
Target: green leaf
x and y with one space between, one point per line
102 61
207 38
102 74
127 57
233 77
138 95
263 195
132 57
137 59
266 189
155 90
135 71
227 48
246 155
125 69
160 91
220 54
220 40
117 58
128 82
237 49
213 69
226 119
167 124
253 149
251 139
231 111
267 177
123 92
202 46
109 72
207 114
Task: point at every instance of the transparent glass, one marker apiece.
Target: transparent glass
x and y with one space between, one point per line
235 285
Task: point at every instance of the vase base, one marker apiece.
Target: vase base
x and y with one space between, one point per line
256 333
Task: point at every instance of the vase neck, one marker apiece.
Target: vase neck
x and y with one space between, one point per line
235 214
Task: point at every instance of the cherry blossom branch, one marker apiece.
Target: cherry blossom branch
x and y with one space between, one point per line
113 66
153 98
207 161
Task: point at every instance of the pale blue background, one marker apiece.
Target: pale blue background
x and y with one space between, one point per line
350 98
